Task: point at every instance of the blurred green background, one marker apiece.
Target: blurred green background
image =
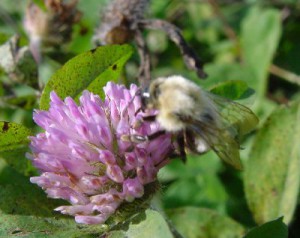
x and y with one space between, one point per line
251 42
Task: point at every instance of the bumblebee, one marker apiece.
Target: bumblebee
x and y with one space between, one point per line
201 121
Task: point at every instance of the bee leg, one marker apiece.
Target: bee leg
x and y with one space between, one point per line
141 109
181 145
190 141
156 134
149 118
141 139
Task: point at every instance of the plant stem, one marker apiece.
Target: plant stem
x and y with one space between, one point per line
284 74
231 34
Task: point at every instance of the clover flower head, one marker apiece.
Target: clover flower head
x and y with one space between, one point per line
83 159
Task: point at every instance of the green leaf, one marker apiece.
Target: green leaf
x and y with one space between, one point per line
194 222
90 70
195 164
222 73
272 174
261 31
4 37
148 224
13 147
196 184
40 4
2 91
13 226
12 136
17 160
272 229
232 89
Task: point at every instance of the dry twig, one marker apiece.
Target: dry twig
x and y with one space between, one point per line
145 65
191 59
284 74
231 34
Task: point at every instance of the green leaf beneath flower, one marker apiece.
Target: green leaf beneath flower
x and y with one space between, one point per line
12 136
90 70
194 222
17 160
272 174
13 146
272 229
148 224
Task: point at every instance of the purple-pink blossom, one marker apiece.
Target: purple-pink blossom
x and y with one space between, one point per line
83 159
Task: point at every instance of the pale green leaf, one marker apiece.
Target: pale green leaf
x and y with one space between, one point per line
147 225
222 73
272 172
261 31
232 89
194 222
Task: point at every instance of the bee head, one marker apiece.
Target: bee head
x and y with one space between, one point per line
145 96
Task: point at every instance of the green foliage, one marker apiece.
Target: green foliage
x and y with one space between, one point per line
238 42
272 229
233 90
272 173
221 73
3 38
12 136
90 70
196 183
26 102
261 30
148 224
41 4
202 223
17 160
13 146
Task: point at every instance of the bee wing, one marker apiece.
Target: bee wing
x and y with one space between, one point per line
220 141
237 118
222 136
